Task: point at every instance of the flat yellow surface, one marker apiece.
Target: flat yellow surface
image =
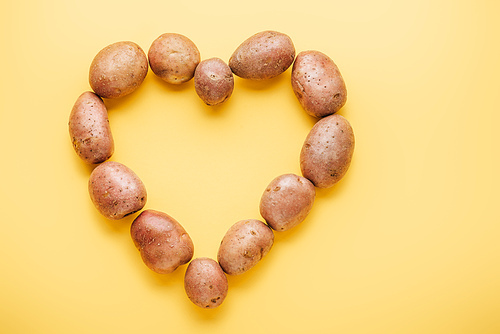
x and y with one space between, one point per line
407 242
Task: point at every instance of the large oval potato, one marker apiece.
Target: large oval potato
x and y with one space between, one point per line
205 283
287 201
244 245
163 243
318 84
173 58
327 151
213 81
264 55
116 190
89 129
118 70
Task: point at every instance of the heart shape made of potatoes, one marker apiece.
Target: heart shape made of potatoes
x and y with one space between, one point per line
116 191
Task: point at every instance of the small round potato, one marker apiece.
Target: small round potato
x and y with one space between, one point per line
244 245
118 70
264 55
89 129
287 201
205 283
213 81
173 57
163 243
318 84
327 151
116 190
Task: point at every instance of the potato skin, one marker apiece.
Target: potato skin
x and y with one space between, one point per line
205 283
89 129
244 245
173 58
213 81
287 201
327 151
318 84
118 70
163 243
116 190
264 55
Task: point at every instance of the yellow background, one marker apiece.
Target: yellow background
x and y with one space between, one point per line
407 242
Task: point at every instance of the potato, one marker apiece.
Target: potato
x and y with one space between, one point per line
244 245
173 57
327 151
163 243
287 201
205 283
213 81
318 84
118 70
264 55
89 129
116 190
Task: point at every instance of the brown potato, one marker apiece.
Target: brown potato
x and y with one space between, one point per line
244 245
163 243
327 151
287 201
264 55
89 129
205 283
118 70
318 84
173 57
116 190
213 81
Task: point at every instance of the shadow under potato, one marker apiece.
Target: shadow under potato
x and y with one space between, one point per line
171 87
259 85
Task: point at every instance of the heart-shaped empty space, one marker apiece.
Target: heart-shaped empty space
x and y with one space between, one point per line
208 166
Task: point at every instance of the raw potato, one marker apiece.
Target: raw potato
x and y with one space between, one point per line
205 283
264 55
173 57
163 243
118 70
244 245
213 81
327 151
318 84
89 129
287 201
116 190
